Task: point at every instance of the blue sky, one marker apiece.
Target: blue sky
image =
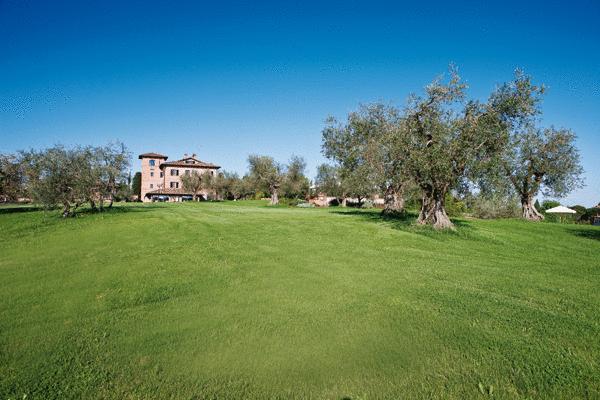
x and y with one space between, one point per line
227 79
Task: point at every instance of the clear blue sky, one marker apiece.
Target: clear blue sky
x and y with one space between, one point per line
225 80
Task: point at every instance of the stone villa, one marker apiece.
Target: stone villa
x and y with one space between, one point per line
161 179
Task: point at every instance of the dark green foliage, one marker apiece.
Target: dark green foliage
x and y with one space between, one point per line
12 178
548 204
136 185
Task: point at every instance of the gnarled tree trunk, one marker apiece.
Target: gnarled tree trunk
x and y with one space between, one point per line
529 211
274 196
432 209
393 201
66 209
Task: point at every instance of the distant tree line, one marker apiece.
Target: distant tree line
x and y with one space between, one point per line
265 178
445 145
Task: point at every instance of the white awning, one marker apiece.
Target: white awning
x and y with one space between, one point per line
561 210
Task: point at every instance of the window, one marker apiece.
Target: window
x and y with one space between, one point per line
151 174
187 171
212 173
152 163
162 174
151 186
174 172
174 185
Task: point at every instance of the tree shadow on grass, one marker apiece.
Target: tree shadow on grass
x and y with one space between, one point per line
593 234
12 209
118 209
407 222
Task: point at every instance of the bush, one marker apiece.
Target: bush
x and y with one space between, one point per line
454 207
548 204
368 203
284 201
495 207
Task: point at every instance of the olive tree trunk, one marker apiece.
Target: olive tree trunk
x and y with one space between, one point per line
66 209
529 211
274 196
393 201
432 210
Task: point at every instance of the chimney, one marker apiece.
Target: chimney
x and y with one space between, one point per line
194 155
185 155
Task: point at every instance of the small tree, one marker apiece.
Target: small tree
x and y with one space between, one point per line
367 149
114 163
52 177
266 175
295 183
545 161
195 182
136 185
328 180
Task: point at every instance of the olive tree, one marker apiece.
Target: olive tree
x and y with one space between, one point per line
328 180
53 176
365 148
295 183
11 178
542 160
450 140
195 182
267 175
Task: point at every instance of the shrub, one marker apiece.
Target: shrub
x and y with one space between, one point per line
284 201
495 207
368 203
548 204
454 207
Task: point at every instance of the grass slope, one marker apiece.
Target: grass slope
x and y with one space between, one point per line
239 300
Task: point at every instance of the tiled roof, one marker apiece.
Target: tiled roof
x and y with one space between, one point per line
183 163
152 155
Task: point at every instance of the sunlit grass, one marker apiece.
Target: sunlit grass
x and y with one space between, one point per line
240 300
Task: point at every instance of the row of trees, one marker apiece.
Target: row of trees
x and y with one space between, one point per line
265 177
442 142
58 176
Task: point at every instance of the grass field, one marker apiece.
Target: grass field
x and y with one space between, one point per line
239 300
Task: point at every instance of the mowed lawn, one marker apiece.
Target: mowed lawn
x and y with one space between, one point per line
240 300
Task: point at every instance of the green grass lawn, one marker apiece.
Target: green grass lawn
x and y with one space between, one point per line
240 300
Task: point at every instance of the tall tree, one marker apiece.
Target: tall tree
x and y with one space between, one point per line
450 140
266 174
534 160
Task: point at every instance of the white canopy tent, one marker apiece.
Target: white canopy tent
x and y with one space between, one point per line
560 211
